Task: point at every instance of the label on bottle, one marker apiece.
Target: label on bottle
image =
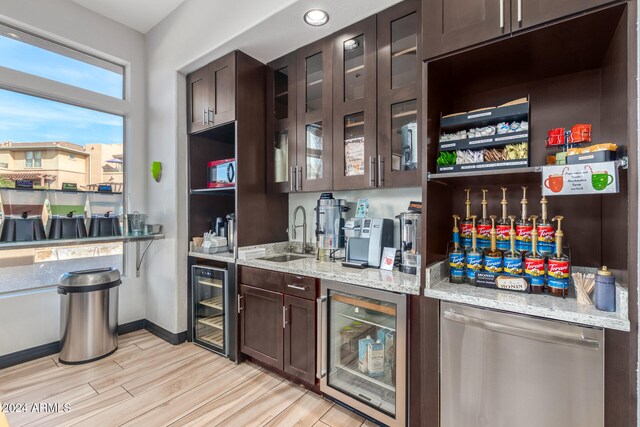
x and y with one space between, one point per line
502 237
534 269
546 239
474 264
456 265
484 236
493 264
558 274
465 234
513 266
523 237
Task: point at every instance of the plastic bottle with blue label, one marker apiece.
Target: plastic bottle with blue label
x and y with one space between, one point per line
502 226
484 225
473 257
456 256
512 258
466 225
523 227
546 232
493 256
558 266
534 262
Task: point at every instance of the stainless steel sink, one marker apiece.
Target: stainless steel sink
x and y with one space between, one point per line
284 258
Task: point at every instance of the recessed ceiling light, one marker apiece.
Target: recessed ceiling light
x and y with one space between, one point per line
316 17
351 44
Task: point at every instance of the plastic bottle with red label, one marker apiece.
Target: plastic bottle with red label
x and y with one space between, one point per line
466 225
546 232
558 266
534 262
523 227
503 227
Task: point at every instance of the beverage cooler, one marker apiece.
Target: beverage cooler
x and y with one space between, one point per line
362 350
209 308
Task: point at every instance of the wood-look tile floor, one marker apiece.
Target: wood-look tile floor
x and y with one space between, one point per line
149 382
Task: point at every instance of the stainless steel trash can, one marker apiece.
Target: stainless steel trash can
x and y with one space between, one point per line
88 314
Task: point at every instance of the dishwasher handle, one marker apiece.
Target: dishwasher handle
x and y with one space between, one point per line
531 334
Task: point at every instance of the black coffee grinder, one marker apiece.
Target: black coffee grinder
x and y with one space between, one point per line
67 220
105 214
22 211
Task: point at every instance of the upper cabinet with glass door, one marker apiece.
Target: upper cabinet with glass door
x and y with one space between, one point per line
398 96
314 148
354 106
281 124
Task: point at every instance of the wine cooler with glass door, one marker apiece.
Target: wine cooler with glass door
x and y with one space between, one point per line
210 314
362 350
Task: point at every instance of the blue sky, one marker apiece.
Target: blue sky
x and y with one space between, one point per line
26 118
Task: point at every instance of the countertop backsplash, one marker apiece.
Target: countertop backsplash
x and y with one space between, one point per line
385 203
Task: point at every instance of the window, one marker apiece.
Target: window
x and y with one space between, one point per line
30 54
41 130
33 159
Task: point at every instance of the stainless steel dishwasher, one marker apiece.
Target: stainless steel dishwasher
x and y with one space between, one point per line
507 370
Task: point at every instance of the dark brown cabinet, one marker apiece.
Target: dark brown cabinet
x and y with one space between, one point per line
278 321
526 13
261 325
399 161
354 106
449 25
211 97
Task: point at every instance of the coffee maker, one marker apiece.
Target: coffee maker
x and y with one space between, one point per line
105 214
330 224
410 238
67 219
366 238
410 146
22 211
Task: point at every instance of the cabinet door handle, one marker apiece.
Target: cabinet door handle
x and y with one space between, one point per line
204 116
519 11
321 370
300 288
299 180
209 112
239 304
372 168
380 171
284 316
291 178
502 14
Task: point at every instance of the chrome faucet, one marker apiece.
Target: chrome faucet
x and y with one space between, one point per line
304 227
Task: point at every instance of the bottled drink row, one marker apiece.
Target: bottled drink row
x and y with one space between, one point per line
509 246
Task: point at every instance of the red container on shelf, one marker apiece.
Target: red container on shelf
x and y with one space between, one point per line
222 173
555 137
580 133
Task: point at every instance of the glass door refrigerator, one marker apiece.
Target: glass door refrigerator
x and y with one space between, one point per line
362 350
210 319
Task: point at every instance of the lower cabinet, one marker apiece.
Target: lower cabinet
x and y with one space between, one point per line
278 321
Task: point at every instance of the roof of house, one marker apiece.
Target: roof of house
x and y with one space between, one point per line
45 145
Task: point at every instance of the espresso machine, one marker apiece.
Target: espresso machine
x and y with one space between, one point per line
105 214
67 215
330 224
410 238
366 238
410 146
22 211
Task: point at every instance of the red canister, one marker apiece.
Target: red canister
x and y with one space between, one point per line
581 133
555 137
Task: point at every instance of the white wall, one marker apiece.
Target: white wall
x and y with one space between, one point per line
383 203
30 319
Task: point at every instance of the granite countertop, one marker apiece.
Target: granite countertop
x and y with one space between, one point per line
220 256
394 281
546 306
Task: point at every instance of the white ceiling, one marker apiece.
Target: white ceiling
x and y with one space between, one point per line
141 15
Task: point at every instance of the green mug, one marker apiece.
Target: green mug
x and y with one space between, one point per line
601 180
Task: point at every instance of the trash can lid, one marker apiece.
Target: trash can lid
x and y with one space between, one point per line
90 278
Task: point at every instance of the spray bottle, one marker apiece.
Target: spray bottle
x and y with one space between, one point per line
474 257
534 262
503 227
456 255
484 225
523 227
466 225
545 231
558 265
492 256
512 258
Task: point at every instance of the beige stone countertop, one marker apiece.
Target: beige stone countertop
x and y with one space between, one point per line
220 256
394 281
